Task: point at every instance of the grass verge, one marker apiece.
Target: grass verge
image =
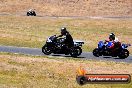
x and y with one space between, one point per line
43 72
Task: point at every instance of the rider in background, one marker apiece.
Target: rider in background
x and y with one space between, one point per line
68 38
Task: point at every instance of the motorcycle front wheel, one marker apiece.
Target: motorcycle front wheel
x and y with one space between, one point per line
96 52
46 50
28 14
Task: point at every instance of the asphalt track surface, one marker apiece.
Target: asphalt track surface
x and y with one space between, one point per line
72 17
38 52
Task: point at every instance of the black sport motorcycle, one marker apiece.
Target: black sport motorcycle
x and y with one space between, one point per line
120 50
56 46
31 13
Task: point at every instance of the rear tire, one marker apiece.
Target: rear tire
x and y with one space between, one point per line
123 54
33 13
46 50
74 52
96 52
79 50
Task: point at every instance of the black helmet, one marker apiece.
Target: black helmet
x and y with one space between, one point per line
112 36
63 30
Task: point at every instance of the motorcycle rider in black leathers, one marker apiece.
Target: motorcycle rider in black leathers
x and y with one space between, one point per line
68 38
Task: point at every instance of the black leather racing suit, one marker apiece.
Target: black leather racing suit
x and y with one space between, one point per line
69 40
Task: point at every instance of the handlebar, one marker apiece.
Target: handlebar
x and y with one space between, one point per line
61 40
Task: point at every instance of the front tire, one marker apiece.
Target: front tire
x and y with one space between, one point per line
46 50
96 52
123 54
28 14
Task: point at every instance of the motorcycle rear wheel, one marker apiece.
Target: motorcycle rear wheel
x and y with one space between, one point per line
74 52
79 50
34 14
123 54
